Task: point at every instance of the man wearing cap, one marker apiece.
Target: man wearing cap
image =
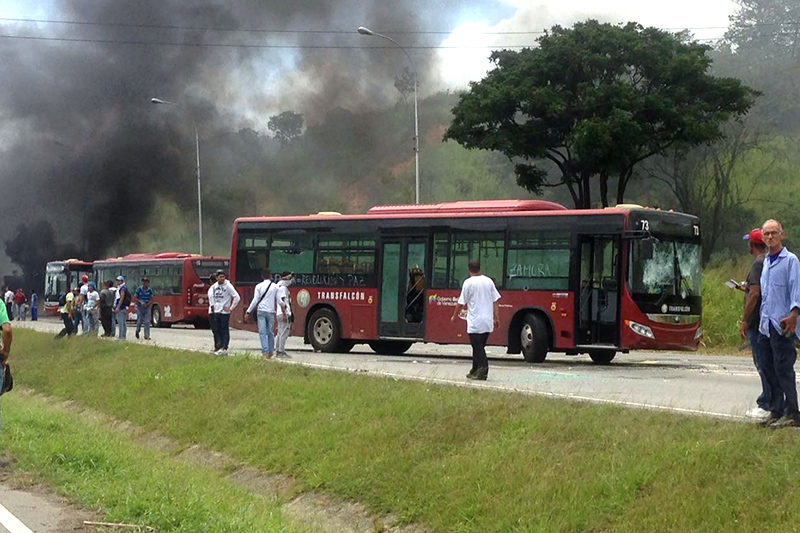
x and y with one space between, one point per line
780 306
748 327
121 307
66 312
91 306
144 299
224 299
212 323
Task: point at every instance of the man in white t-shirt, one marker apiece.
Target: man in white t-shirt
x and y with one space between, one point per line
223 298
264 303
480 297
284 315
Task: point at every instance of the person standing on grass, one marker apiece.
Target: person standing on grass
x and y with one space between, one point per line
224 299
66 312
748 327
6 336
107 308
264 302
144 299
34 306
780 305
121 303
283 315
212 323
479 295
91 305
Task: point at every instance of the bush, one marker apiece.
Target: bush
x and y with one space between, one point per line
722 307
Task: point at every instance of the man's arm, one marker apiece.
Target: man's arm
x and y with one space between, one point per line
789 322
749 307
7 337
496 318
234 294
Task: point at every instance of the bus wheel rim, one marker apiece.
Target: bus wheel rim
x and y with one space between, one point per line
323 330
526 336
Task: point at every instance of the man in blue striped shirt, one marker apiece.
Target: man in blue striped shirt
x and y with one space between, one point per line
144 299
780 305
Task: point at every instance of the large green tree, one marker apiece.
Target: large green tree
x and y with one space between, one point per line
594 101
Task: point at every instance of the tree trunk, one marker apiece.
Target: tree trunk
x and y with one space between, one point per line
604 188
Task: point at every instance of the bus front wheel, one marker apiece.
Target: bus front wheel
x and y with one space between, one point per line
156 320
324 331
390 347
602 357
534 338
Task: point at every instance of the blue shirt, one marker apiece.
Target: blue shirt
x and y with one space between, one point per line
142 295
780 291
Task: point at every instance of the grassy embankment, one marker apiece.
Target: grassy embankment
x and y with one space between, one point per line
455 460
722 307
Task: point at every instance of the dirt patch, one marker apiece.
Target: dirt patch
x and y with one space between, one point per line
320 511
272 486
199 456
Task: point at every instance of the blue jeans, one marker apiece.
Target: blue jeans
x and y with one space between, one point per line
85 320
77 320
143 317
122 315
223 321
778 356
266 331
763 399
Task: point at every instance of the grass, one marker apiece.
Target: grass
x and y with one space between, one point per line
722 307
100 469
455 460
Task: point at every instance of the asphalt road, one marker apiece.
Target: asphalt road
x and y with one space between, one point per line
722 386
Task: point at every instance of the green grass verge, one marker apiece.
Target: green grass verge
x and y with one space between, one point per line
455 460
100 469
722 307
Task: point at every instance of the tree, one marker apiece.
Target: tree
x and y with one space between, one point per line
593 102
287 126
405 83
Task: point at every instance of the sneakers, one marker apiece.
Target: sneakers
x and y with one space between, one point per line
786 421
769 420
282 355
137 334
757 412
479 375
267 355
223 352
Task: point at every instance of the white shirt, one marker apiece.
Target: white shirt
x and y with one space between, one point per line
266 296
9 296
284 298
479 294
222 296
91 299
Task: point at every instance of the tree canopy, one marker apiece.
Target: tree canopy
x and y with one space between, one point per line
594 101
287 126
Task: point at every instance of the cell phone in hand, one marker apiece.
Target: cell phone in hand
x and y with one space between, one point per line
732 284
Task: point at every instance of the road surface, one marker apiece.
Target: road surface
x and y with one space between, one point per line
722 386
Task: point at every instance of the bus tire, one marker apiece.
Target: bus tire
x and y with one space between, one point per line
324 330
345 346
390 347
534 338
602 357
156 320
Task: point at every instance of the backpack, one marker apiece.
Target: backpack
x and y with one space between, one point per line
62 300
126 300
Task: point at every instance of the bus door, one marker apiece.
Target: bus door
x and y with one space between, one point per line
598 301
403 282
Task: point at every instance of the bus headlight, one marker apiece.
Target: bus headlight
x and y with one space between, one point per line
699 333
640 329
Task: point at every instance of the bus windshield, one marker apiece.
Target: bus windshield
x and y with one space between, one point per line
205 268
665 268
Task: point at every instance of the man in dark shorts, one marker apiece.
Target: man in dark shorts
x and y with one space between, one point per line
748 327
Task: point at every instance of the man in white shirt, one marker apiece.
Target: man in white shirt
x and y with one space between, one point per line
284 315
8 297
223 299
264 302
480 297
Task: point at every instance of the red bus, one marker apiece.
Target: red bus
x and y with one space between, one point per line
60 277
179 282
597 281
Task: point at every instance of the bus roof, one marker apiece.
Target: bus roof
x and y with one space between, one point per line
130 258
458 209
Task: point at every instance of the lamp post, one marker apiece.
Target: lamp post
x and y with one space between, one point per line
197 145
366 31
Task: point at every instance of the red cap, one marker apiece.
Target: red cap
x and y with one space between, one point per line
755 236
86 278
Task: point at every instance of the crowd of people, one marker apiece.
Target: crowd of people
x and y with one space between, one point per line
769 323
18 305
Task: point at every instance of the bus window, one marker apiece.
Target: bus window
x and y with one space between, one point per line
346 254
538 261
440 241
292 253
488 248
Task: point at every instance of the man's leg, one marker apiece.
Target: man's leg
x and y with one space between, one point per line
776 400
139 317
283 335
271 333
483 362
764 398
784 356
212 321
475 341
121 324
223 324
262 332
146 319
85 320
67 325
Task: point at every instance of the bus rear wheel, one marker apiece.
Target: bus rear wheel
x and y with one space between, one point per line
602 357
324 331
156 320
533 338
390 347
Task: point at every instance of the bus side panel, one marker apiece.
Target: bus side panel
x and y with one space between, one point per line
356 307
558 306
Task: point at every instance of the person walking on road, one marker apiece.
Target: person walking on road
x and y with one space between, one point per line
283 315
748 327
480 297
34 306
224 299
66 312
91 305
780 306
144 299
121 303
264 302
212 323
107 298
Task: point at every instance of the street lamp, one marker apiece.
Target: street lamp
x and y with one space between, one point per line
366 31
197 144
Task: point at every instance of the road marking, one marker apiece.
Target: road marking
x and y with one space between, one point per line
11 522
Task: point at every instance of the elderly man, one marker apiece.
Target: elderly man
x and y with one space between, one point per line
780 305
